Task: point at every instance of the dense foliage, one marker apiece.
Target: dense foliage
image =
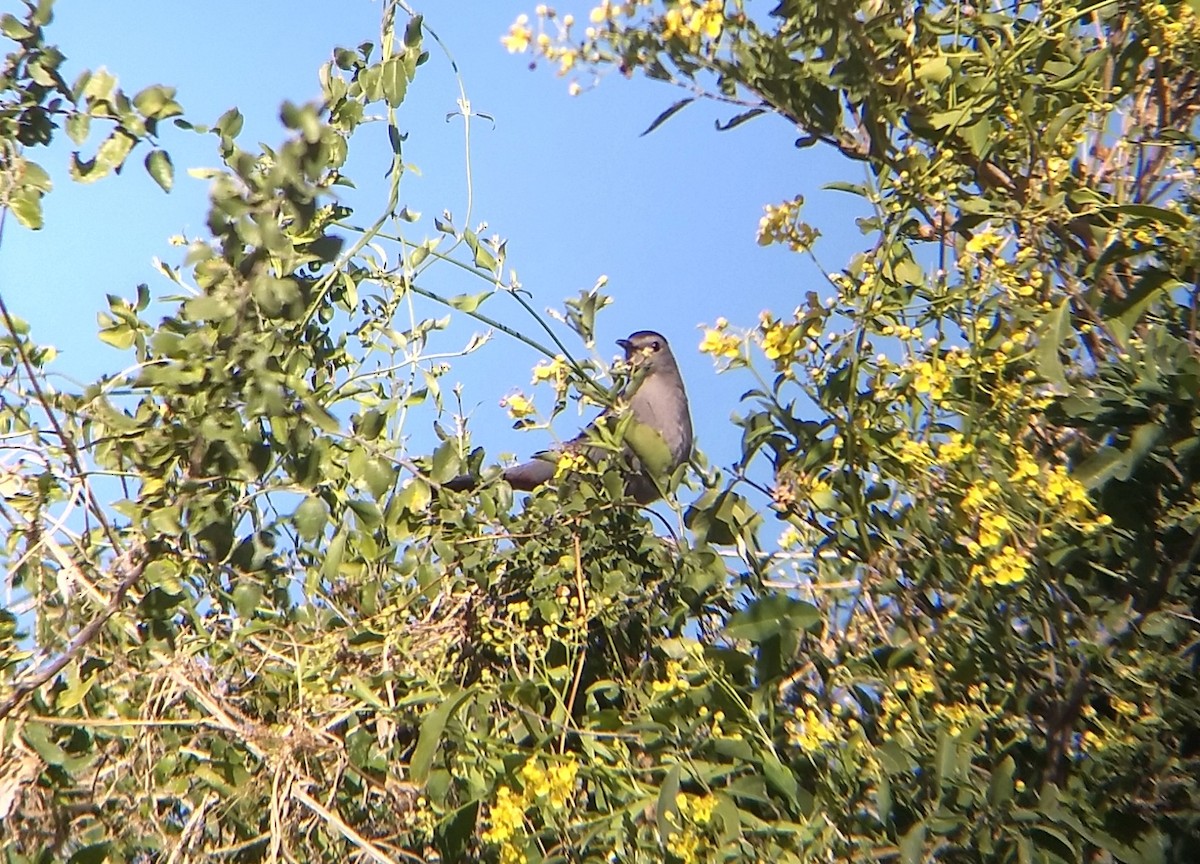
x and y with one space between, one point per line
256 628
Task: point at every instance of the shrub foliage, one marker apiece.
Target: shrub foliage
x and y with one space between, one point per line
944 607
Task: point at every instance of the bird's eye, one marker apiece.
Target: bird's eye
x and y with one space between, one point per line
654 346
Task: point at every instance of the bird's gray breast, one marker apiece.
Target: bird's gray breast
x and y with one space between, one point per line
661 404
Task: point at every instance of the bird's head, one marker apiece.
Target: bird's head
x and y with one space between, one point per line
649 349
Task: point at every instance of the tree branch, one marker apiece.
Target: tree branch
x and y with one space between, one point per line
129 568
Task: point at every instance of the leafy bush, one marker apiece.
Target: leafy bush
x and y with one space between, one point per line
260 629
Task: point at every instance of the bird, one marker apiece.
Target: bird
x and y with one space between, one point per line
659 401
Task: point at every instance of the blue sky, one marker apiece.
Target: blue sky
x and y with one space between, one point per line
669 218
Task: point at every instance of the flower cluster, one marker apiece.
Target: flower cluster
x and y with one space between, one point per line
550 789
506 821
1174 32
686 25
998 560
717 730
691 21
781 224
675 680
686 841
720 343
555 371
556 48
781 342
570 462
518 405
555 785
810 730
974 709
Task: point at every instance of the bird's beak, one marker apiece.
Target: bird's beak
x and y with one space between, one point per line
625 344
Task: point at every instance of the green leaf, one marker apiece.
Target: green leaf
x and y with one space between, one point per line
912 845
11 27
780 778
394 80
95 853
157 102
1141 442
737 120
316 412
1151 213
246 597
415 496
666 810
34 176
1100 468
770 615
1056 327
230 123
335 554
1000 789
380 476
158 166
669 113
650 448
78 125
311 517
75 691
934 70
483 258
1053 842
432 727
37 736
368 513
27 208
363 691
883 797
469 302
114 149
908 272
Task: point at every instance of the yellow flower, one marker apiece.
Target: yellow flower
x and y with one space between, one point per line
720 344
922 683
674 680
780 341
1007 567
914 453
984 241
954 449
510 854
556 784
570 463
551 370
518 406
674 24
604 12
781 224
708 19
931 377
505 818
1027 468
809 731
702 809
992 529
683 846
1123 707
519 34
976 496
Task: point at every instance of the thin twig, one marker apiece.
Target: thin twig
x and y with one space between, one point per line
129 567
562 739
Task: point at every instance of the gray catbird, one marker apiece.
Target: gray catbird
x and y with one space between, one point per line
659 402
